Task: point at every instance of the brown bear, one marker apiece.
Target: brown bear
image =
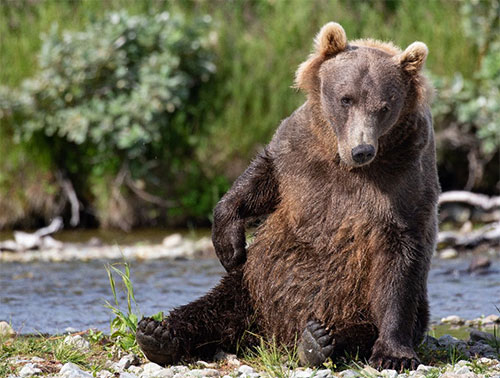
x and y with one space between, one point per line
349 187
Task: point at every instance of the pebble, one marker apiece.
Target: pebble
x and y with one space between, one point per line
70 370
125 362
6 330
104 374
307 373
349 374
127 375
448 253
389 373
245 369
203 373
29 370
78 342
453 320
323 373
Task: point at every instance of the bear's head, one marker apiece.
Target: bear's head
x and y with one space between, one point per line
362 88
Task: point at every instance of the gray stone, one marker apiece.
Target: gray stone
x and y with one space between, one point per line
204 373
152 370
70 370
245 369
447 340
482 349
137 370
179 369
206 365
125 362
476 335
78 342
28 370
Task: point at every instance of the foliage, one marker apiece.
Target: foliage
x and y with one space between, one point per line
96 111
272 358
469 108
124 325
118 95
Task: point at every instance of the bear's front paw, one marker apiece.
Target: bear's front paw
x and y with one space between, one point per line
315 344
157 342
396 358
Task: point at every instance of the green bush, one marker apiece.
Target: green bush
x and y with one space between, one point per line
114 106
467 110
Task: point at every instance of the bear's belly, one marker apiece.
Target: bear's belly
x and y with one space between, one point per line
291 281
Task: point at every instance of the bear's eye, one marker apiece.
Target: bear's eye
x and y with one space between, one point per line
346 101
385 109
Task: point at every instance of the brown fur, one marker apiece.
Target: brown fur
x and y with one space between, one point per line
345 243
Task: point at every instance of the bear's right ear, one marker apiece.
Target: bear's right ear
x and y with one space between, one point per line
330 40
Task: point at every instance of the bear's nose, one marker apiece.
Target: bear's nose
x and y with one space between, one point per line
363 153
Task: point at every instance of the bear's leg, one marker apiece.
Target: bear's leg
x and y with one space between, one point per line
422 322
217 320
315 345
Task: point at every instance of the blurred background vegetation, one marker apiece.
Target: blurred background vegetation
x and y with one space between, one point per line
130 113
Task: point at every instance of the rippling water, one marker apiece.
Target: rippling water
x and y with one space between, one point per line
49 297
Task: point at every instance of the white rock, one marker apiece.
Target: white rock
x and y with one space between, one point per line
349 374
179 369
307 373
424 368
70 330
462 370
104 374
389 373
125 362
323 373
70 370
6 330
171 241
453 319
78 342
203 373
206 365
448 253
137 370
491 319
245 369
28 370
127 375
368 370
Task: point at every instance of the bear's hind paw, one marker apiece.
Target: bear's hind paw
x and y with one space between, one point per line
156 342
315 345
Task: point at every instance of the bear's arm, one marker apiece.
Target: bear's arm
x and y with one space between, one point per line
254 193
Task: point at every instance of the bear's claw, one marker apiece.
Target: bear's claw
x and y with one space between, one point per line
156 342
315 345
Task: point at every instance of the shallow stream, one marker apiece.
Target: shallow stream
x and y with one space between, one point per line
50 297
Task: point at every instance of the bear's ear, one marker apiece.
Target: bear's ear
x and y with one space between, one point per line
413 58
330 40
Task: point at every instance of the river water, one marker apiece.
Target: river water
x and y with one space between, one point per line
50 297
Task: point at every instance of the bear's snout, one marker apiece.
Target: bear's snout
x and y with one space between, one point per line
363 153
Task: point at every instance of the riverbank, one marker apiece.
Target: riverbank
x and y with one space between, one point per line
174 246
91 354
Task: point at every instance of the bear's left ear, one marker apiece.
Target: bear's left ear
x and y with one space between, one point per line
413 58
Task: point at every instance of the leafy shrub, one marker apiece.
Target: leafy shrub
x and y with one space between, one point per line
114 107
467 110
